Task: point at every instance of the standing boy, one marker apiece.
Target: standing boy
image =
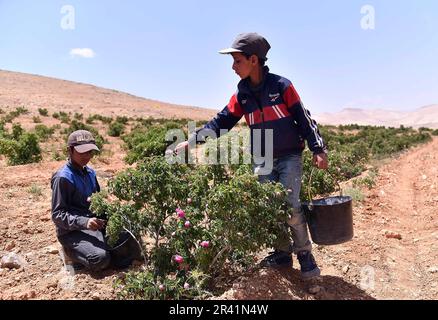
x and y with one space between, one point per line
270 102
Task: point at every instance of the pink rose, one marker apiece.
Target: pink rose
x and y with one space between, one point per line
189 200
181 213
186 286
161 287
187 224
178 258
205 244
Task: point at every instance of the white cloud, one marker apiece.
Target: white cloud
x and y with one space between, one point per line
82 52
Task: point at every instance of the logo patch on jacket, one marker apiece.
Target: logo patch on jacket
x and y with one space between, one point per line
274 96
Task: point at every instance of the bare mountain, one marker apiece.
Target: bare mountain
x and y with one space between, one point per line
423 117
33 92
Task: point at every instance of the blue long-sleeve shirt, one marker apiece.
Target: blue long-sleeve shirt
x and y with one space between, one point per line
71 188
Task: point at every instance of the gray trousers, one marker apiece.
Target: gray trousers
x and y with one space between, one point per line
288 171
87 248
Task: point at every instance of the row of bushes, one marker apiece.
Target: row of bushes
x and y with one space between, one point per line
205 219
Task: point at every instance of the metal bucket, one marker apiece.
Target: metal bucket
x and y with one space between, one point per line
330 219
125 251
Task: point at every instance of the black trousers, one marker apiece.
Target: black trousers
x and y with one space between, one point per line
88 248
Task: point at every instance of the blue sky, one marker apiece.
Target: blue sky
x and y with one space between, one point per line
167 50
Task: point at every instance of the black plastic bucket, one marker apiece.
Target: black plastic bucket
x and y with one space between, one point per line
330 220
125 251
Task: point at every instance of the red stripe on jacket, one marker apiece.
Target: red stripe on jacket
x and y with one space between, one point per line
270 113
290 96
234 107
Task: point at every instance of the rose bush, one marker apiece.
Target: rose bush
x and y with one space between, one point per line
192 223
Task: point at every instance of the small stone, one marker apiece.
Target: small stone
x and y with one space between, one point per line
95 296
393 235
52 284
433 269
27 295
314 289
345 269
12 261
51 250
9 246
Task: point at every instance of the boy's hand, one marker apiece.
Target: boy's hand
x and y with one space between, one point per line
182 146
95 224
320 161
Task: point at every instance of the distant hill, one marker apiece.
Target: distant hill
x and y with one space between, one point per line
423 117
33 92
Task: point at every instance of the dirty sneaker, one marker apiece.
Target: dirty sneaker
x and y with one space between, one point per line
309 269
277 259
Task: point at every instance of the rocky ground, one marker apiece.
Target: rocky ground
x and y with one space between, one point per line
393 255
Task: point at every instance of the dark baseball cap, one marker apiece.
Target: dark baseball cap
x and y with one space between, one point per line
82 140
249 43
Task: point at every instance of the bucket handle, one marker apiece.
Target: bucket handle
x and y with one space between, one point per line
310 185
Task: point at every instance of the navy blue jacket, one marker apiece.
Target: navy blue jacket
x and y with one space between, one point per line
71 188
277 106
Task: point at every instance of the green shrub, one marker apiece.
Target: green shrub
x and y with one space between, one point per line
21 110
43 112
355 193
64 117
36 119
14 114
43 132
224 220
35 190
17 131
57 156
103 119
122 119
116 129
2 128
146 142
23 150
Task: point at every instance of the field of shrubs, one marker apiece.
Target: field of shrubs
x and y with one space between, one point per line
196 222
